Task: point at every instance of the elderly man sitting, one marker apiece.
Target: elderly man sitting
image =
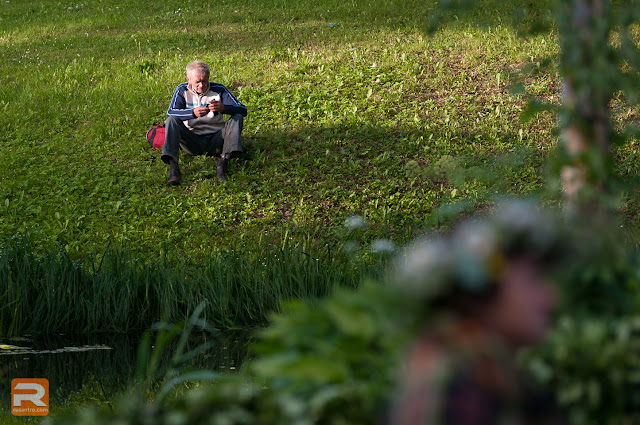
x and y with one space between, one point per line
195 122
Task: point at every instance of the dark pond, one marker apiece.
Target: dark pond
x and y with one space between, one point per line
107 362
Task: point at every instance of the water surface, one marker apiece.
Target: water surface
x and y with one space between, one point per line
105 362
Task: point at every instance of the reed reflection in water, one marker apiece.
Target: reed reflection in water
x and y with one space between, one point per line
106 362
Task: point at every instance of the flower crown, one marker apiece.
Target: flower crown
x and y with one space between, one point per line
474 256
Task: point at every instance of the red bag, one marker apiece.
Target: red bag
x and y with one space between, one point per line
155 136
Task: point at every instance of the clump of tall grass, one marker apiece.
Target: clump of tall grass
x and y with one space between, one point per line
49 292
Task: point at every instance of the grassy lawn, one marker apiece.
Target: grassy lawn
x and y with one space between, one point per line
353 109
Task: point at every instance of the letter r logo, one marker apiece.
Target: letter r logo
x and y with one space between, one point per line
35 398
30 397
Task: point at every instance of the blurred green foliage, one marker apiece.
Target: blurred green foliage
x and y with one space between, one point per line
326 362
590 360
334 360
592 365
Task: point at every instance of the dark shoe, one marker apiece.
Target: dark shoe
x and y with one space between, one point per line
174 173
221 169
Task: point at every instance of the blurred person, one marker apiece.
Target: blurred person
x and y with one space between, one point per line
195 122
485 293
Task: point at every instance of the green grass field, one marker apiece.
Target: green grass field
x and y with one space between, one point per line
353 109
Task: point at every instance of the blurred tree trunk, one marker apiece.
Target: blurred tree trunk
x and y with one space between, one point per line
584 117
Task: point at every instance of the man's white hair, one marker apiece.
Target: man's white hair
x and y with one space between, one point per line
198 68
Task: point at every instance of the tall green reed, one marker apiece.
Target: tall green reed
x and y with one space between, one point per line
49 292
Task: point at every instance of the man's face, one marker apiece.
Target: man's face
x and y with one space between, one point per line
199 83
524 304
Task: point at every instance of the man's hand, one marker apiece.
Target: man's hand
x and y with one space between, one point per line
216 106
200 111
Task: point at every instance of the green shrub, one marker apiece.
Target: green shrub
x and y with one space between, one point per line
593 366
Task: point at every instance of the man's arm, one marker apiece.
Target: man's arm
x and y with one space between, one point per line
178 107
232 105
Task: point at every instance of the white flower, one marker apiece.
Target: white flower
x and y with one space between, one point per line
524 218
355 222
424 266
478 238
382 246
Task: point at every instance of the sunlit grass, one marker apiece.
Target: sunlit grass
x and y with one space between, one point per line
341 97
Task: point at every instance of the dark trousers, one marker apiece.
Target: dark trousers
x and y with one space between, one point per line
226 141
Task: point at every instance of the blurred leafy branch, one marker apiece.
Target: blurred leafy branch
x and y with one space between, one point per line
599 64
